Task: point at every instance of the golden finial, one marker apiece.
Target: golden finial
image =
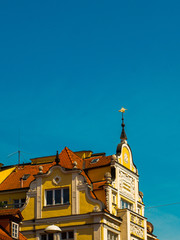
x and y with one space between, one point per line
122 110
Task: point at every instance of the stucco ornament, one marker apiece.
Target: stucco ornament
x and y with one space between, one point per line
107 177
113 157
96 209
75 165
136 231
126 158
40 170
56 180
127 184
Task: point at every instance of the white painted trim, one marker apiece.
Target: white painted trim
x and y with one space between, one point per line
57 167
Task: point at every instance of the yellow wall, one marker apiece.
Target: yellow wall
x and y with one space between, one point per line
5 173
125 152
125 159
85 205
85 234
98 173
84 154
60 210
11 196
29 211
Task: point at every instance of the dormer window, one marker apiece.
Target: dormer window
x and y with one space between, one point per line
15 230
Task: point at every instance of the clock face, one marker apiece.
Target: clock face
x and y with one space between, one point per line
126 158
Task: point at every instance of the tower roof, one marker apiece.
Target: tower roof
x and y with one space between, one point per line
123 136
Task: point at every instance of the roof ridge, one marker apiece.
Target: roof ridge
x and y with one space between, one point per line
70 151
67 150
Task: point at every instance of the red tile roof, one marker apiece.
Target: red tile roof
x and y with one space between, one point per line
103 160
98 185
12 212
13 180
4 235
67 158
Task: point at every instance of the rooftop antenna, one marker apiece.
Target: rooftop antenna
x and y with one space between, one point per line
18 151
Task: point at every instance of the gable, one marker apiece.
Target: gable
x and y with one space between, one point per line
125 158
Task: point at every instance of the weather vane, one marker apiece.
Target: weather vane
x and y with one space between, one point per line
122 110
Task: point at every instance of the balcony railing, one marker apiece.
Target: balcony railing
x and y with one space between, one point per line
11 206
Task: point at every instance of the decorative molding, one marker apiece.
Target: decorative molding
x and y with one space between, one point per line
96 209
136 230
126 184
57 167
126 158
56 180
107 197
32 192
112 225
84 186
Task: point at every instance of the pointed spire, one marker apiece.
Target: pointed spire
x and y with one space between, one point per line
57 160
123 134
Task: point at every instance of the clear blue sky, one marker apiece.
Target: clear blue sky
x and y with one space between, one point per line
67 67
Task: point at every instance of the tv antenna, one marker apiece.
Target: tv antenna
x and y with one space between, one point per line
19 151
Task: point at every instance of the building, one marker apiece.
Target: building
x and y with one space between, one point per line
89 196
9 224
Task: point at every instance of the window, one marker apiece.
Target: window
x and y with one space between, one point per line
112 236
94 160
139 209
57 196
125 204
18 203
4 204
114 198
47 236
15 230
67 235
26 176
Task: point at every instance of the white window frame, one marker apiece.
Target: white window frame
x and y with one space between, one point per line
114 198
126 204
112 235
139 210
53 197
14 227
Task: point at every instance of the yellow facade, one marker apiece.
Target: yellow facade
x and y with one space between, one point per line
98 174
5 173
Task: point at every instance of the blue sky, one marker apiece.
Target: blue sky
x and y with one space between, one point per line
67 67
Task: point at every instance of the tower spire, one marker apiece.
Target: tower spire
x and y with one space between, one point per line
123 134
